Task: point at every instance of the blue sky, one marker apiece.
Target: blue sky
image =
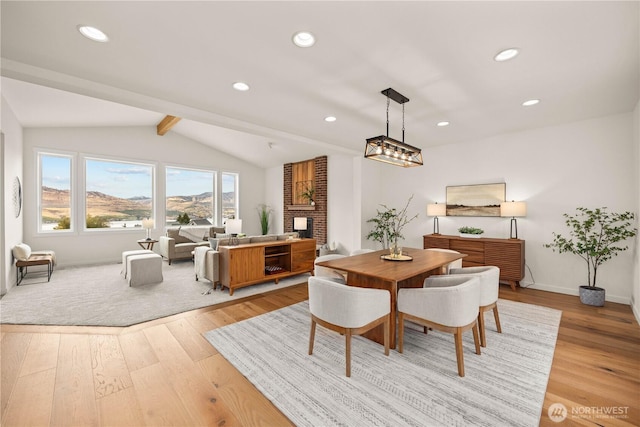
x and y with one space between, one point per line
56 172
123 180
128 180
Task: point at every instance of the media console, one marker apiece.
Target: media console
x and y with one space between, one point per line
248 264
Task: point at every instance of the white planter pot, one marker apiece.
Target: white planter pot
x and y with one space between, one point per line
472 236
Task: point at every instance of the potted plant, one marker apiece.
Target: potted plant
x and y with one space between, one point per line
470 231
308 193
594 235
264 213
388 225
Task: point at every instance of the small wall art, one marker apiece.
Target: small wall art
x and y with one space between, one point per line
475 200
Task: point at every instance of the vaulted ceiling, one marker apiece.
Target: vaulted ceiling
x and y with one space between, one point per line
580 59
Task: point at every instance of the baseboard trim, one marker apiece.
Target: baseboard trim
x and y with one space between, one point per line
561 290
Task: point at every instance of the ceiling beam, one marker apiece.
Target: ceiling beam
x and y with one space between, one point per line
166 124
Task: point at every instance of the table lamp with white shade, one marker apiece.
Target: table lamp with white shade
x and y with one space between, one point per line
234 227
147 224
435 210
513 209
300 224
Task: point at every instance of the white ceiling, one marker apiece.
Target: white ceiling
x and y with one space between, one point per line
581 59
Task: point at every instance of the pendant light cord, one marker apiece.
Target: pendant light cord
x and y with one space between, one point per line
388 100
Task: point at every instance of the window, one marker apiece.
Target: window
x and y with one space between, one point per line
54 193
191 196
117 194
229 196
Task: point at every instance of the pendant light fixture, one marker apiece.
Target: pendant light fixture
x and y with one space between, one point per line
385 149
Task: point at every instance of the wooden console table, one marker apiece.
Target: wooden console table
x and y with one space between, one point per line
245 265
507 254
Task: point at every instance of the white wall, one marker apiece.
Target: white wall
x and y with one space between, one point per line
636 179
554 169
11 167
130 143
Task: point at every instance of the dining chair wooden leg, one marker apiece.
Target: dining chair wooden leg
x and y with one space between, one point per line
387 331
497 317
347 336
483 338
459 354
312 336
400 331
476 340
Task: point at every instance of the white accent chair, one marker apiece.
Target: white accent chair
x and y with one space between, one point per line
489 289
455 264
329 273
446 303
348 310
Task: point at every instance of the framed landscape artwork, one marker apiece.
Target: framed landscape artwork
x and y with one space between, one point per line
475 200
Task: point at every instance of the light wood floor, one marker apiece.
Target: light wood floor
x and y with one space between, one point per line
164 373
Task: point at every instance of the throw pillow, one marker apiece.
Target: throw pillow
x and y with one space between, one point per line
21 252
213 243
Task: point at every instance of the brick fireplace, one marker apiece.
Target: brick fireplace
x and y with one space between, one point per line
317 212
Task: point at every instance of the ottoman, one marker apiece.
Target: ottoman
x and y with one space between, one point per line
127 254
144 269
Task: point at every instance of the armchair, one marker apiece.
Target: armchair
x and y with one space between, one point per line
348 310
328 273
446 303
489 277
455 264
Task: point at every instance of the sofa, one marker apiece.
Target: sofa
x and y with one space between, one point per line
180 241
224 240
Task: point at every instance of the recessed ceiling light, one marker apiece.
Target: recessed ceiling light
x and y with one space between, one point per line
506 54
530 102
304 39
330 119
93 33
241 86
443 123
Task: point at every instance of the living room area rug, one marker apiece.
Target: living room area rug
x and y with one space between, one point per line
100 296
505 386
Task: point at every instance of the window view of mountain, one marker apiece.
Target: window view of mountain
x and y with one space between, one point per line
55 206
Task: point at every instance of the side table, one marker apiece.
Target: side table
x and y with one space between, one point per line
147 244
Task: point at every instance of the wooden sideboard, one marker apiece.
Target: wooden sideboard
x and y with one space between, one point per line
252 263
507 254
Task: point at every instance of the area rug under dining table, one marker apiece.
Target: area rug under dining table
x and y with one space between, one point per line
505 386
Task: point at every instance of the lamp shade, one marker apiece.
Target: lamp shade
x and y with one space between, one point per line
300 223
513 209
147 223
435 209
234 226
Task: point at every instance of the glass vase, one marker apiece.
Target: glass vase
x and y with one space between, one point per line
395 250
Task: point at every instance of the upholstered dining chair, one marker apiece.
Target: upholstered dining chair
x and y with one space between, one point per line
348 310
361 251
329 273
446 303
489 288
455 264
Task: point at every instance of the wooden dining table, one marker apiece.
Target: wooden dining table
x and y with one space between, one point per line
371 270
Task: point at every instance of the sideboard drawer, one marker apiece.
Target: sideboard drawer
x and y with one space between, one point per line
466 246
473 257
